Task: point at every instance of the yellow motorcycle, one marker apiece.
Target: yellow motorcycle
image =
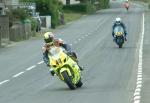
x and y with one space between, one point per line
119 36
65 67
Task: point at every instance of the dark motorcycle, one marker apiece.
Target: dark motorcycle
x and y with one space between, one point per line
119 35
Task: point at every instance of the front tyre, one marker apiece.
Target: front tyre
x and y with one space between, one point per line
120 46
68 80
79 84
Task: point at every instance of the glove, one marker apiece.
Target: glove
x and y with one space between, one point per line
125 39
52 72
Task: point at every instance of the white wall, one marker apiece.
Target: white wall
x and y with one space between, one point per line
12 2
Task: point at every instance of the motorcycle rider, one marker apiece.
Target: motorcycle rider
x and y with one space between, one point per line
50 41
118 22
126 4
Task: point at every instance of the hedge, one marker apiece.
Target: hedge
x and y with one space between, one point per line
83 8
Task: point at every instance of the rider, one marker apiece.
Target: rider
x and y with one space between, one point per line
50 41
118 22
126 4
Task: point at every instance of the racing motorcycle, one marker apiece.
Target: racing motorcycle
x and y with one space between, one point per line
126 5
119 35
65 67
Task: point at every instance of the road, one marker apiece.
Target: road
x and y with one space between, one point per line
110 73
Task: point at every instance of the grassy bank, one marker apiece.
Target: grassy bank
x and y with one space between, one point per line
71 16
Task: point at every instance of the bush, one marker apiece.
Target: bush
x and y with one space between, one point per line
82 8
50 7
20 14
90 8
75 7
104 4
33 24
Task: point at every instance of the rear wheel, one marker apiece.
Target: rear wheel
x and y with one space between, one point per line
68 81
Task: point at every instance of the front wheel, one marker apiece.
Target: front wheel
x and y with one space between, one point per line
79 84
120 46
68 80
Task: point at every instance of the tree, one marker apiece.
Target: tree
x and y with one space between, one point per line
48 7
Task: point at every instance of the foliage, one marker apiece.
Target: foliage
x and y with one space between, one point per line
104 3
82 7
90 8
48 7
33 24
75 8
20 13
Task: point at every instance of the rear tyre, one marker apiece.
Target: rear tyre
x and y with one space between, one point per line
68 81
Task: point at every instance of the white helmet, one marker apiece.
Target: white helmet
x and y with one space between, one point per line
118 20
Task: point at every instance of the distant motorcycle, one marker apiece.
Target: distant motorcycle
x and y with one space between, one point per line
119 35
126 5
65 67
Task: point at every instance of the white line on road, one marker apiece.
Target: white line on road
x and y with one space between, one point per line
75 42
137 101
70 44
16 75
31 67
4 82
137 96
40 62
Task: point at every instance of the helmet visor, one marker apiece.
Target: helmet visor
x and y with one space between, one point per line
48 40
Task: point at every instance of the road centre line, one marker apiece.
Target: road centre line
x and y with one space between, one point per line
31 67
4 82
40 62
16 75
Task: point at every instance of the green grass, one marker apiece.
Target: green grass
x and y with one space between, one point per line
71 16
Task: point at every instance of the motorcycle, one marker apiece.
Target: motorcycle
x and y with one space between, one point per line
126 5
119 35
65 67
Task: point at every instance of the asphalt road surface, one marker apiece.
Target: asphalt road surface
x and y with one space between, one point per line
110 73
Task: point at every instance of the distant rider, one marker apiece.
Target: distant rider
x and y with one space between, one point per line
126 4
50 41
118 22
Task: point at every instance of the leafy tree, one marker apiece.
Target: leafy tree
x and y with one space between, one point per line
48 7
104 3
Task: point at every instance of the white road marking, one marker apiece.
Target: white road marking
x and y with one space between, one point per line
70 44
75 42
31 67
137 93
137 101
16 75
79 39
4 82
137 97
40 62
